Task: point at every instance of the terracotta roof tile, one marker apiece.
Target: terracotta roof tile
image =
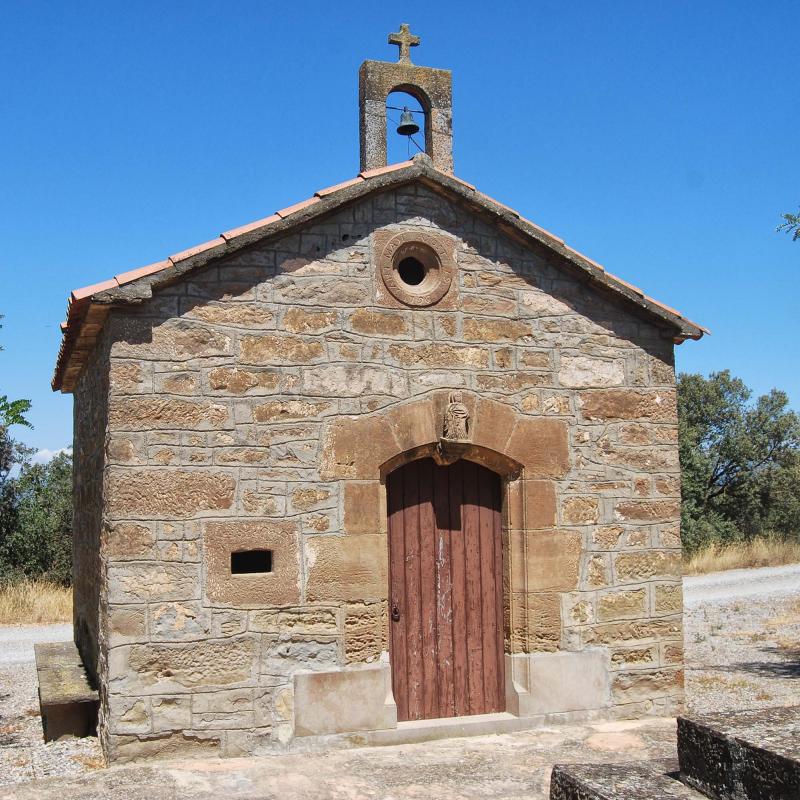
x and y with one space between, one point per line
625 283
373 173
497 203
95 288
463 183
335 188
198 248
141 272
585 258
251 226
285 212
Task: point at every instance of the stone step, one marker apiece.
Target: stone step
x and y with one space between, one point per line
742 755
643 780
67 699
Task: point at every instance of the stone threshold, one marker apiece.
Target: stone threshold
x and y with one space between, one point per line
426 730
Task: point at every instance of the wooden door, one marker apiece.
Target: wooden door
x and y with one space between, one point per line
446 590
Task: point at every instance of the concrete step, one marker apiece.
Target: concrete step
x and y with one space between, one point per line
742 755
643 780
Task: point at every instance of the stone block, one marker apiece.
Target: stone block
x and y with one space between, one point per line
353 380
540 504
631 687
647 510
178 621
284 655
624 604
629 781
627 404
171 713
631 567
140 582
288 622
553 560
160 668
366 632
356 447
235 381
750 754
278 411
167 493
323 701
363 508
668 598
493 425
541 446
495 330
280 349
578 372
634 631
346 568
128 540
413 424
439 356
164 411
551 683
379 323
303 320
279 587
247 315
579 510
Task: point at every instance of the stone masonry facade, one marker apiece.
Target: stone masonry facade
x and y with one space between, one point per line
259 402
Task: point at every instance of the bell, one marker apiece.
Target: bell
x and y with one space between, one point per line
407 126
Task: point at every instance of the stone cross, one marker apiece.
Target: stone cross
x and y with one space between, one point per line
404 40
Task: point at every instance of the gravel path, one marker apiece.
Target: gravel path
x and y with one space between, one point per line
737 584
23 754
742 634
16 643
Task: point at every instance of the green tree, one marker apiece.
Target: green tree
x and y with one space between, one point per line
790 224
39 543
35 505
12 412
738 457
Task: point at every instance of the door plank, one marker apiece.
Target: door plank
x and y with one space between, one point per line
471 526
397 592
413 610
458 580
428 598
444 592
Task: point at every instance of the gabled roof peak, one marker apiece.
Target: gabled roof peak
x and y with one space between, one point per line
88 306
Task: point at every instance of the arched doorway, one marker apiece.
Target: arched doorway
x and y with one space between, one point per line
445 589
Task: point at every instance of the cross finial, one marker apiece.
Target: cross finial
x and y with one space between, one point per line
405 40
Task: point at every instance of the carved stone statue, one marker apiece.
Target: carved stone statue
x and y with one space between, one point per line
456 419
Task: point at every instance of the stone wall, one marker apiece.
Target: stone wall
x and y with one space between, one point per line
90 416
255 403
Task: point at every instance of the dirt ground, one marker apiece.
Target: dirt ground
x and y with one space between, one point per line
742 636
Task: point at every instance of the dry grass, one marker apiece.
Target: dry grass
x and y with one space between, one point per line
743 555
34 603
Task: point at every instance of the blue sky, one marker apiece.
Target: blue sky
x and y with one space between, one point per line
658 138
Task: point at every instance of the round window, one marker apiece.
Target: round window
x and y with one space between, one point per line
416 268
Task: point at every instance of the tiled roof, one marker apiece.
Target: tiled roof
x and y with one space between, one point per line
88 307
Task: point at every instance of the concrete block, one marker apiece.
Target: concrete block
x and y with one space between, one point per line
349 699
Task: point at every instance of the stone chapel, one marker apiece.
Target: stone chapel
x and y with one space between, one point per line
392 454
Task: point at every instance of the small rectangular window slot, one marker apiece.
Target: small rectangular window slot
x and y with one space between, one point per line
250 562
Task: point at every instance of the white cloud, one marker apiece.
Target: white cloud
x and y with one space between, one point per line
44 455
